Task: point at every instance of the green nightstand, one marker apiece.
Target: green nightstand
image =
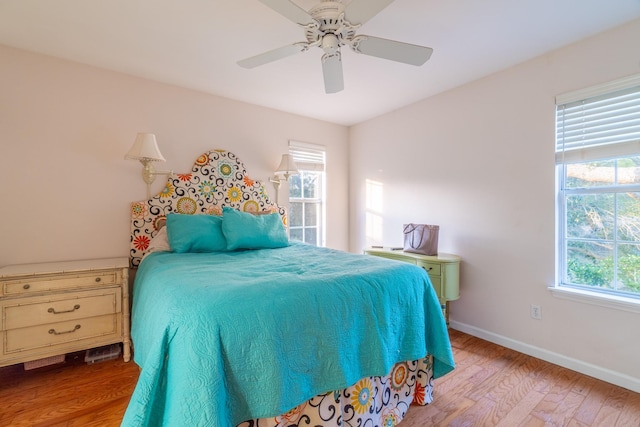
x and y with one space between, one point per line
443 270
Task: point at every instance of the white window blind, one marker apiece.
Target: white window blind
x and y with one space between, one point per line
600 122
309 157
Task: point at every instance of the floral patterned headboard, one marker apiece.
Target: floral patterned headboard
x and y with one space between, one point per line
217 179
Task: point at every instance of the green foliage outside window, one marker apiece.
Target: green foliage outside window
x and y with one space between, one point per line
603 227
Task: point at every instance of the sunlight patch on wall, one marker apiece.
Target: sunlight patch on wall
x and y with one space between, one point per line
374 211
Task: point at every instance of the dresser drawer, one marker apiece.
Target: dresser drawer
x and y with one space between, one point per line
53 308
33 337
32 311
432 268
57 282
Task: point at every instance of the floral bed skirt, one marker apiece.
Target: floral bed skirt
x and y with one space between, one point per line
373 401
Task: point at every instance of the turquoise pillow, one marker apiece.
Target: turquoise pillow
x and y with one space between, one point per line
248 231
195 233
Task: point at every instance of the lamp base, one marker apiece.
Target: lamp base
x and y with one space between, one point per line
149 174
277 182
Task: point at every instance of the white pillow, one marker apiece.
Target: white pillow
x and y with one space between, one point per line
160 243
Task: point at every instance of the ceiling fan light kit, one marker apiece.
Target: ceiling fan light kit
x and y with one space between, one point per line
329 26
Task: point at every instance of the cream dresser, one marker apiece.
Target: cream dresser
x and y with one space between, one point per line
443 270
55 308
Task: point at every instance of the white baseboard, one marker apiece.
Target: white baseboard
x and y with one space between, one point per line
598 372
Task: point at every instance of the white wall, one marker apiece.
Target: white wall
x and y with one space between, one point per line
479 161
65 128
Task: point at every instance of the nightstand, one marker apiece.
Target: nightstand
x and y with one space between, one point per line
50 309
443 270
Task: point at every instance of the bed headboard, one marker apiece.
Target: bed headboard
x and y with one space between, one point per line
218 178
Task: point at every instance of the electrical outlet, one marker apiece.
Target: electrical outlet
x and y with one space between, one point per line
536 312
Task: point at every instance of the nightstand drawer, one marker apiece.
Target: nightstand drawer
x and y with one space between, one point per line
436 283
431 267
32 311
36 284
24 339
398 256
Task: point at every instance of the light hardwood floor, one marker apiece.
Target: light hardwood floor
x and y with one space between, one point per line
495 386
491 386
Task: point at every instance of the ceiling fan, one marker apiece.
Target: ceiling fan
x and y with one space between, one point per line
330 25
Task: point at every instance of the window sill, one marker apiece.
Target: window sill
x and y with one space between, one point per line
610 301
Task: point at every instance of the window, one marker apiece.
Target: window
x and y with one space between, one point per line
598 176
307 194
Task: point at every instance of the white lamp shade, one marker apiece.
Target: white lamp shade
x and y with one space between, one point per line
146 148
287 166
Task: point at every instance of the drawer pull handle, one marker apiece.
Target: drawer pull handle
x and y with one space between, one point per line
54 332
53 310
427 269
98 279
27 286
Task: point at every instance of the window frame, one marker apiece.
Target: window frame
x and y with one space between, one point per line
310 159
594 149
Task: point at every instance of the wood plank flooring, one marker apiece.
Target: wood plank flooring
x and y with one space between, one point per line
71 394
492 386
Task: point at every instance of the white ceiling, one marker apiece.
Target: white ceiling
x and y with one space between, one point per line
196 43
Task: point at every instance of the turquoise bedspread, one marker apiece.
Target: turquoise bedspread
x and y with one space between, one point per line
226 337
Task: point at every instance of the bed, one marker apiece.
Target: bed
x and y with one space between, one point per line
260 331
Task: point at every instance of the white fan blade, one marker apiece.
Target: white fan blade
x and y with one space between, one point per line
273 55
389 49
332 72
290 11
360 11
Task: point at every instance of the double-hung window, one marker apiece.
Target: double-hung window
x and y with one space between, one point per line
307 194
598 182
